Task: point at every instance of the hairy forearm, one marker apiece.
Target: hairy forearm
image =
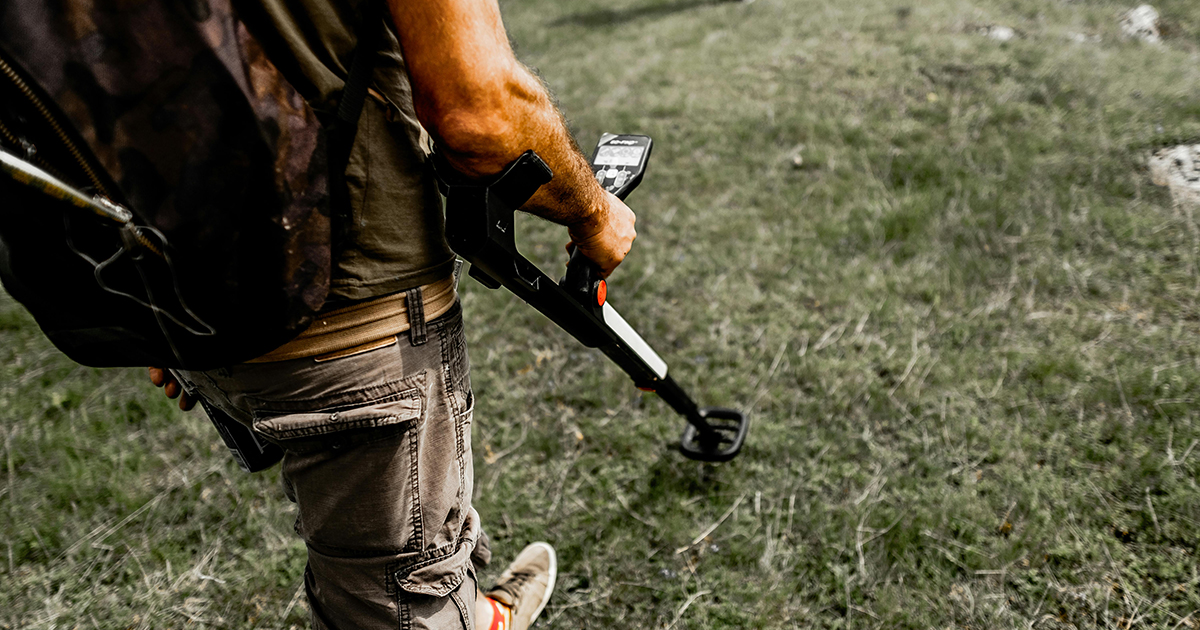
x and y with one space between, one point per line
518 116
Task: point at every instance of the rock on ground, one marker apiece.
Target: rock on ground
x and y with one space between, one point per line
1179 169
1000 33
1142 24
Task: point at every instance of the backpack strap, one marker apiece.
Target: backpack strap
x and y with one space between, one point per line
342 130
370 35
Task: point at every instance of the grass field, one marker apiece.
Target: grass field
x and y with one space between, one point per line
931 266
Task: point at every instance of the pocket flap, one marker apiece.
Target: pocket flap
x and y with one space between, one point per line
437 575
404 408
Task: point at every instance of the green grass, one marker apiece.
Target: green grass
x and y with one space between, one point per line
965 326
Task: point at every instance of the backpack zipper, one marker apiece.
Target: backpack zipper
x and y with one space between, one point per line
14 141
102 202
65 139
7 135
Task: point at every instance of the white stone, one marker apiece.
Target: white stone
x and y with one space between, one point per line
1001 33
1142 24
997 32
1178 168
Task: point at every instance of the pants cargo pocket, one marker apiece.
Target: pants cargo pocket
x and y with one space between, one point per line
352 593
436 589
454 611
330 425
429 590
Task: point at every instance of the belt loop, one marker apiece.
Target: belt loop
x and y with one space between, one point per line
415 304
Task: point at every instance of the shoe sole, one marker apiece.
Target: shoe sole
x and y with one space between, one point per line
550 586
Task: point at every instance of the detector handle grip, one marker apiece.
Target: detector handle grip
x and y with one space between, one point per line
583 282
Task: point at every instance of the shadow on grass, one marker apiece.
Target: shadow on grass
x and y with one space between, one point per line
607 17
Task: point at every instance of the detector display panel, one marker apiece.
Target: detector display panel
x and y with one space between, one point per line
619 156
620 161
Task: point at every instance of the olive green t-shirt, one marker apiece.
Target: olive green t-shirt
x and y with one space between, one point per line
396 240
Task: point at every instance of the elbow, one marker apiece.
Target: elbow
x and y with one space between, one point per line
478 125
478 140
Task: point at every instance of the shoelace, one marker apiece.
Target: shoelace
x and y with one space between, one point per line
515 584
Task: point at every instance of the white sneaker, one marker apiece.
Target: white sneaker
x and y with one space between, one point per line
526 584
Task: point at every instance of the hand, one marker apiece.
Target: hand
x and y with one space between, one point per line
171 387
607 236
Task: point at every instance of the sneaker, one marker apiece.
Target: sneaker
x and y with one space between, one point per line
526 584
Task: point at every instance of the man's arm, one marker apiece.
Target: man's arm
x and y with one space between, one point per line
485 109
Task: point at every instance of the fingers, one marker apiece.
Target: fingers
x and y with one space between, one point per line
158 376
608 239
171 387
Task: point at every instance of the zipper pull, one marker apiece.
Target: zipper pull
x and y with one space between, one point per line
29 148
113 210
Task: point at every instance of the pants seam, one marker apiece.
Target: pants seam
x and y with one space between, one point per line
417 541
460 423
405 610
454 367
462 607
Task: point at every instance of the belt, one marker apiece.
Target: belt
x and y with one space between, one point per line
366 326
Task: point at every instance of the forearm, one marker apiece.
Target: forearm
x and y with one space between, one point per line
573 196
523 117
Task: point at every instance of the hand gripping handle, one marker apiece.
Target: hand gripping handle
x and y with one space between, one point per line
583 282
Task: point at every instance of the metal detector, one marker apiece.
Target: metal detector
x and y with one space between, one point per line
480 228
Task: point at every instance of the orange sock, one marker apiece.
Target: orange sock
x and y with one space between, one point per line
501 615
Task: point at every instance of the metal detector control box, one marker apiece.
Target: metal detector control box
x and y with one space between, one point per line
619 162
479 227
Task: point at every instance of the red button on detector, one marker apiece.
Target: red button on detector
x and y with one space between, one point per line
601 293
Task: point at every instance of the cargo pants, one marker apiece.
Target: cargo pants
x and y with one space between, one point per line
377 457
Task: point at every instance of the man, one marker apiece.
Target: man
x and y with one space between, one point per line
372 404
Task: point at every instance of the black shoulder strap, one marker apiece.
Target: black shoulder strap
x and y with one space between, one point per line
370 35
340 133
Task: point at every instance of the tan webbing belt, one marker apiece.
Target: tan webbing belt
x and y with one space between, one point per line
361 327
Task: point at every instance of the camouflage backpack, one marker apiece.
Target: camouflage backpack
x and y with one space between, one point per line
165 194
